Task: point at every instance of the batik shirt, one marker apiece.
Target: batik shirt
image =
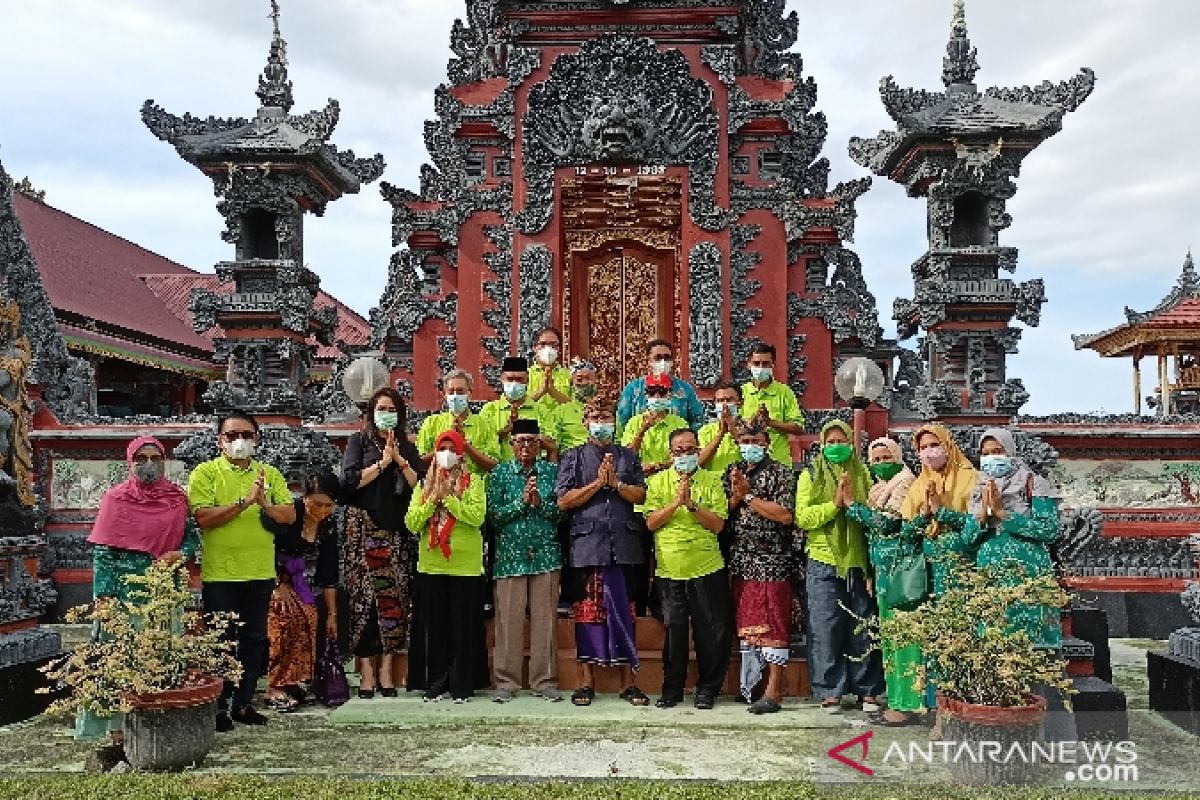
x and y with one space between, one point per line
684 402
526 536
761 548
110 565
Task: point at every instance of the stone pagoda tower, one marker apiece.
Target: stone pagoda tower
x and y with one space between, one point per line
961 149
267 173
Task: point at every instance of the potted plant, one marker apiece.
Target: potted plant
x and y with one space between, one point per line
154 661
984 663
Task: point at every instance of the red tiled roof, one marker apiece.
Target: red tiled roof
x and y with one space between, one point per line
92 273
99 276
1185 314
176 290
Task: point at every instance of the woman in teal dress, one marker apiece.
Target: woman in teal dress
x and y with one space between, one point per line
141 520
1012 520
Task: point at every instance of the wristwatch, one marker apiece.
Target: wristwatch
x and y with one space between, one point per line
692 507
748 498
619 487
240 502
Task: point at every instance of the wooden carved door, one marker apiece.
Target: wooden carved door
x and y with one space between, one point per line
623 297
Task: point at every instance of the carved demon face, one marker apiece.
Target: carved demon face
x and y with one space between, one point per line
619 126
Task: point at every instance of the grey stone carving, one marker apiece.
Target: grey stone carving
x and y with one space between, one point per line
742 287
536 262
705 343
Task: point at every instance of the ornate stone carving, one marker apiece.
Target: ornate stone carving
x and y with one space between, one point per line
620 99
705 343
402 308
499 316
536 263
742 287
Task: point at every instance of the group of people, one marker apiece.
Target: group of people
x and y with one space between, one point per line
551 491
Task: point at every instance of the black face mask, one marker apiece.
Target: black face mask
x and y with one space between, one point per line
150 471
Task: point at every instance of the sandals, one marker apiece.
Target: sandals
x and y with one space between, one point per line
583 696
635 696
883 722
284 705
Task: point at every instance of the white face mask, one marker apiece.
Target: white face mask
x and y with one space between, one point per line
446 459
240 449
547 354
662 367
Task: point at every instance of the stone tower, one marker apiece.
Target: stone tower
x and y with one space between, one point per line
961 149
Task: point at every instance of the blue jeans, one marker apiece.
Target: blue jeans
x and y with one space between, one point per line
836 662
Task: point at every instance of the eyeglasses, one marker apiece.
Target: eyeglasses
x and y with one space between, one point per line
657 392
690 451
525 441
147 459
233 436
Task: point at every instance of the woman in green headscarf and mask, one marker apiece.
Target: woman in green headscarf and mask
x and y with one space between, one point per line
840 660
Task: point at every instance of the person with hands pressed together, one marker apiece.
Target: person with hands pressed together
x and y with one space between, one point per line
569 428
685 509
681 395
482 445
598 485
841 660
226 496
761 496
771 404
718 442
648 433
549 381
379 471
516 403
448 654
524 514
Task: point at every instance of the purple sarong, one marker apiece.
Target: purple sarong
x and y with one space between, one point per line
612 642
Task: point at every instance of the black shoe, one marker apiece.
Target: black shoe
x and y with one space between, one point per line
704 702
248 716
224 723
365 694
388 691
667 702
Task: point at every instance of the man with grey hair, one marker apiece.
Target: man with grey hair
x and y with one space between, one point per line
483 443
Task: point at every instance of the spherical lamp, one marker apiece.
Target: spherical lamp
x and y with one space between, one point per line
364 377
859 381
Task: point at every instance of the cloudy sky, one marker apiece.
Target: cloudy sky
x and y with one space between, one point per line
1105 212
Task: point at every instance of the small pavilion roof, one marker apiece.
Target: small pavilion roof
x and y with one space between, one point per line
1176 319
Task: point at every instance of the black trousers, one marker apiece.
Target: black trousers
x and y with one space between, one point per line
452 651
705 603
250 600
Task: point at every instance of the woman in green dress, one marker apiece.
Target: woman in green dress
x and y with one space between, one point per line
1012 520
141 520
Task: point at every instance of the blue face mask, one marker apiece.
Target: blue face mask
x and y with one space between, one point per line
732 408
457 403
999 466
687 464
601 431
514 391
752 453
657 404
386 420
761 374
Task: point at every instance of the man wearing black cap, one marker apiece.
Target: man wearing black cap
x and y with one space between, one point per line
515 403
523 512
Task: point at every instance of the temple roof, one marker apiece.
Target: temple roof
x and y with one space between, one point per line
113 297
1175 319
962 110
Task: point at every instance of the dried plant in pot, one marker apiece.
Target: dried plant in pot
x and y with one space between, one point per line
977 649
154 661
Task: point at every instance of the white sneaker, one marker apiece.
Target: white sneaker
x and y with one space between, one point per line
458 701
503 696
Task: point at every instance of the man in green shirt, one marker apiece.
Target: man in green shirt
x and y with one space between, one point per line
516 403
569 428
482 446
549 381
718 447
774 404
686 508
648 433
228 496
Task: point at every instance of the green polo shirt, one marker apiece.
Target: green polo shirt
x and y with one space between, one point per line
498 412
475 429
569 430
656 444
560 375
782 406
241 549
466 541
683 548
727 453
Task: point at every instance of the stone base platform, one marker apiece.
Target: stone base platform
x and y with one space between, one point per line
1175 689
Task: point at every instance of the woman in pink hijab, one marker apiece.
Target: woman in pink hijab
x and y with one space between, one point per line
141 520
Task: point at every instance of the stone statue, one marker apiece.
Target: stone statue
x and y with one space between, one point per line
16 457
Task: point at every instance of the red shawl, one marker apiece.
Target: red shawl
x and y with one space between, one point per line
147 518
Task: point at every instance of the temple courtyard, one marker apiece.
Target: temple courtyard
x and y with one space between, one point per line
613 747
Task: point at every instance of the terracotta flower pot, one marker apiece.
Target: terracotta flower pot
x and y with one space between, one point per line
173 729
1006 725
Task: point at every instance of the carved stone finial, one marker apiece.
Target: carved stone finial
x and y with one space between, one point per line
274 88
1188 278
959 66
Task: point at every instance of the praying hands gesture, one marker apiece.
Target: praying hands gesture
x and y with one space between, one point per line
606 476
683 497
762 417
991 506
739 486
258 493
844 496
531 493
513 414
391 455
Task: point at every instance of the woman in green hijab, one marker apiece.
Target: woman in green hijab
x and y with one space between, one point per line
840 661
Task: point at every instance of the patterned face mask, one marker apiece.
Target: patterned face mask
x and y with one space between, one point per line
150 471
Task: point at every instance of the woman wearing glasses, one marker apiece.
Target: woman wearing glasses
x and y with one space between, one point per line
140 521
292 620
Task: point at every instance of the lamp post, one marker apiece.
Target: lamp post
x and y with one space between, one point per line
859 382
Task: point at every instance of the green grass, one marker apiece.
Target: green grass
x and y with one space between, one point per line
147 787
